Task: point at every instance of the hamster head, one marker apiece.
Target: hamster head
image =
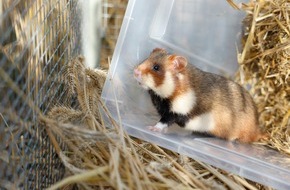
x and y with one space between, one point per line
160 71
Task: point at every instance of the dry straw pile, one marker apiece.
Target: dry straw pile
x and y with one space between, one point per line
264 65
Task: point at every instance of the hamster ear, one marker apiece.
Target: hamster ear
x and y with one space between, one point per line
178 62
159 50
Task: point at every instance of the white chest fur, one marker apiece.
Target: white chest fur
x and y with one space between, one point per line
183 103
202 123
167 88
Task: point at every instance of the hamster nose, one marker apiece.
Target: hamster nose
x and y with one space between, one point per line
137 73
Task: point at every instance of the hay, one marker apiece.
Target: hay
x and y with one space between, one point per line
101 155
264 66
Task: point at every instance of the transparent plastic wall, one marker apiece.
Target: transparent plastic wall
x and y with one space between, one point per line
208 33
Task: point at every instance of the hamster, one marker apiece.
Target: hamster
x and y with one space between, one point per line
197 100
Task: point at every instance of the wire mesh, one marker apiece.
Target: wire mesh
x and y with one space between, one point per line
38 38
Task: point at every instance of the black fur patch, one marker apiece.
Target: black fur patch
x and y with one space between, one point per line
162 106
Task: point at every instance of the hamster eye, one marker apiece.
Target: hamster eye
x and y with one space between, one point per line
156 67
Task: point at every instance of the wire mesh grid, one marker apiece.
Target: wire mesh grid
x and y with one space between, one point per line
38 38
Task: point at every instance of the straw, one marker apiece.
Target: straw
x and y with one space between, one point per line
264 66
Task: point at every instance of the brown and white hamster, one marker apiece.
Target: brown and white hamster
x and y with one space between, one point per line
197 100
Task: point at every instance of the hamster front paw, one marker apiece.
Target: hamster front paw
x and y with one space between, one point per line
159 127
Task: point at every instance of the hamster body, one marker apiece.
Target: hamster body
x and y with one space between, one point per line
197 100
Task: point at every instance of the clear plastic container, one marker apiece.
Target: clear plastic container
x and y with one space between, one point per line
207 32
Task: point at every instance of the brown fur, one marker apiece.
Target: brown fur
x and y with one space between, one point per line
233 109
182 86
146 69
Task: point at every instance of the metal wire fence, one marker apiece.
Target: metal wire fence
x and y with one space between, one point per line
37 39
